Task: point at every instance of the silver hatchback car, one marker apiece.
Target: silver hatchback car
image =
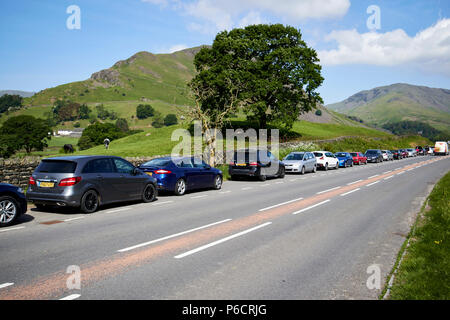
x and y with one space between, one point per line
300 162
88 182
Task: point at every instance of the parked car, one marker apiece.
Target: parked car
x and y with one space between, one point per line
411 152
257 163
431 151
419 151
358 158
326 160
441 148
387 155
88 182
345 159
300 162
13 204
397 154
374 155
404 153
180 174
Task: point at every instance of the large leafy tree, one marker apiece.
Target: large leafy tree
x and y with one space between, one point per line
7 101
95 135
26 132
268 69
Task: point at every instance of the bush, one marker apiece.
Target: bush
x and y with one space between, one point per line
144 111
158 121
319 113
95 135
76 125
122 124
170 120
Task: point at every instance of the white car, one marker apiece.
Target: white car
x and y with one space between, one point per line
326 160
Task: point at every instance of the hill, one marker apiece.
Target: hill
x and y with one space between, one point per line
399 102
24 94
140 77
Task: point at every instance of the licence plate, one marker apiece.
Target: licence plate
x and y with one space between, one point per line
46 184
150 173
241 164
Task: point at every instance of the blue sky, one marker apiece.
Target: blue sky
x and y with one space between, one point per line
412 44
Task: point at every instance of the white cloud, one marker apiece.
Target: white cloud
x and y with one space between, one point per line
218 15
429 48
177 47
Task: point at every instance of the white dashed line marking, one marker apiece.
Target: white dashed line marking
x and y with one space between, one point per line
280 204
377 175
11 229
172 236
160 203
311 207
73 219
199 197
221 241
118 210
71 297
349 184
371 184
344 194
325 191
4 285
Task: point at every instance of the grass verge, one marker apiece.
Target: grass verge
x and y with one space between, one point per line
424 273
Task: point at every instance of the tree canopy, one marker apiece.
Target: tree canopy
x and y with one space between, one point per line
10 101
267 69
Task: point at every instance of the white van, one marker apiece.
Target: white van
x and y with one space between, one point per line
441 148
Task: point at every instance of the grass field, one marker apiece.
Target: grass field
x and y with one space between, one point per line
424 273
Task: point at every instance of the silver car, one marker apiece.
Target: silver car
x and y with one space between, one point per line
88 182
300 162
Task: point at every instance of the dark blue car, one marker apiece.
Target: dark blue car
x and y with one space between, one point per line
182 174
345 159
13 204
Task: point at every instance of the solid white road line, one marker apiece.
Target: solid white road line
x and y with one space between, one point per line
199 197
4 285
160 203
344 194
118 210
377 175
349 184
11 229
221 241
72 219
371 184
172 236
71 297
325 191
311 207
280 204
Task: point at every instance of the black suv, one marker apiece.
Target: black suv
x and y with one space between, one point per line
257 163
374 156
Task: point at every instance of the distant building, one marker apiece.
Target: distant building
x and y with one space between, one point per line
74 133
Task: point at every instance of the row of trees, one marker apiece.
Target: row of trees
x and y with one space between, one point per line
10 101
23 133
414 128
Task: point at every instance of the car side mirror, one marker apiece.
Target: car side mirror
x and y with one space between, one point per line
208 167
135 172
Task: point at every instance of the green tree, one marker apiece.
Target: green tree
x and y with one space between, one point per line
144 111
10 101
95 134
170 120
30 133
84 112
8 145
122 124
158 120
268 69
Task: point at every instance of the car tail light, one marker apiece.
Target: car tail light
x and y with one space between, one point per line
32 181
253 164
163 172
322 158
231 163
69 181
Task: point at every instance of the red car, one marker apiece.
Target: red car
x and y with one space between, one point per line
358 158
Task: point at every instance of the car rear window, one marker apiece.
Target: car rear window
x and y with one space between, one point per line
318 154
157 163
295 156
340 154
57 166
354 154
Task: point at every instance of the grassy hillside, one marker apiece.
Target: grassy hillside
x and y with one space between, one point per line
397 103
144 75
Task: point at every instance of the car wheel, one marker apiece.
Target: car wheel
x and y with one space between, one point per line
351 164
262 177
336 166
149 194
218 182
180 187
89 202
282 173
314 169
303 171
9 211
326 167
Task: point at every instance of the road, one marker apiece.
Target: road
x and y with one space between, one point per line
303 237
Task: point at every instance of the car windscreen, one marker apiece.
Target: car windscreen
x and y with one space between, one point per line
295 156
57 166
371 152
157 163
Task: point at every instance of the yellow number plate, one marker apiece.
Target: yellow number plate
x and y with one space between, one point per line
241 165
149 173
46 184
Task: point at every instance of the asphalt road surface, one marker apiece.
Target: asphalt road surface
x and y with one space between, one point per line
303 237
